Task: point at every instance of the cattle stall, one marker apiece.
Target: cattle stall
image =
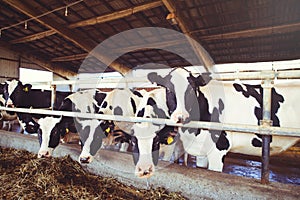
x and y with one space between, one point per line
267 80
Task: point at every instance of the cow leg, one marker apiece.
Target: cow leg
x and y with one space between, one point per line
215 160
124 147
202 161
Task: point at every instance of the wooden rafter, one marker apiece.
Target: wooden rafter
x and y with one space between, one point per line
70 58
116 15
33 37
286 28
66 33
200 52
140 47
93 21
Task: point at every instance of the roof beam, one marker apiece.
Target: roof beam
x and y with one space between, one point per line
93 21
200 52
286 28
33 37
117 14
77 38
140 47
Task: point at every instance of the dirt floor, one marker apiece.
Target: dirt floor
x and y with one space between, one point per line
23 176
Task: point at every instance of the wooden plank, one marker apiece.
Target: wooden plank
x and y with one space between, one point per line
200 52
257 32
70 58
116 15
122 50
33 37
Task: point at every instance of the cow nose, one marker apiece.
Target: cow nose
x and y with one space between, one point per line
10 105
45 154
85 160
180 119
145 173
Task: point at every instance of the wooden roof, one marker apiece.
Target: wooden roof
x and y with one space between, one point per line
229 30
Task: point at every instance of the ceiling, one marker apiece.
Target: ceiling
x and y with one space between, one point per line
63 33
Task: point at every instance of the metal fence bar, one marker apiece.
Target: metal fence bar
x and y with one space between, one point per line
245 128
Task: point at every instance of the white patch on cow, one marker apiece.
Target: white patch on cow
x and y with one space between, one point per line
84 101
145 132
179 79
46 125
85 153
11 87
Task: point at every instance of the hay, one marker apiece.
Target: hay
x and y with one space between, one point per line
23 176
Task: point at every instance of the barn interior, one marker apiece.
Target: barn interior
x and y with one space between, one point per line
58 35
63 37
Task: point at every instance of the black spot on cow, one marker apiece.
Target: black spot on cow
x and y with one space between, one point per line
158 112
256 91
118 111
256 142
165 82
104 105
133 105
222 142
99 134
141 113
99 97
135 149
155 150
137 93
110 107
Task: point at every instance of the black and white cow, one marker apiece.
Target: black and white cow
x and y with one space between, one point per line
147 136
92 132
201 99
17 94
5 116
122 102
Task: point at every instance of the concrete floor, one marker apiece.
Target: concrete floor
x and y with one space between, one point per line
193 183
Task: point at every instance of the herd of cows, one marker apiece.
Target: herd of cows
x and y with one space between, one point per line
182 97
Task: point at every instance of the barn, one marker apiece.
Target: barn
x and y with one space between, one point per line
252 45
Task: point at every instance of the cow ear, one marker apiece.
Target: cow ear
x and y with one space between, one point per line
27 87
153 77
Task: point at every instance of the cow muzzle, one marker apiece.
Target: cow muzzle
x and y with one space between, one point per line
180 117
144 172
44 154
86 160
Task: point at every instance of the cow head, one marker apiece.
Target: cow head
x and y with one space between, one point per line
147 136
49 135
181 93
16 94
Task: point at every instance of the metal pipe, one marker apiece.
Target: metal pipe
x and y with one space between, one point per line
266 122
245 128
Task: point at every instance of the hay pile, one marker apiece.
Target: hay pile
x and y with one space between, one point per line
23 176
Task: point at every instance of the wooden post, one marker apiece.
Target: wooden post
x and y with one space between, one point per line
53 96
266 122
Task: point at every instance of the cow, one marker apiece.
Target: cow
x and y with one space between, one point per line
123 102
21 95
6 118
199 98
147 137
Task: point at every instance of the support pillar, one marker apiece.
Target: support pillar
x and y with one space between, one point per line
53 96
266 122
